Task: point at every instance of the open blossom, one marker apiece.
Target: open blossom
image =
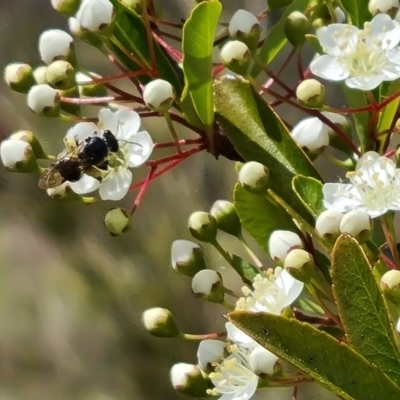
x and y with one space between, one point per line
374 187
364 58
135 147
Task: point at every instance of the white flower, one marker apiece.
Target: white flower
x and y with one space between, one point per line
363 58
135 148
95 14
209 352
374 187
53 44
232 377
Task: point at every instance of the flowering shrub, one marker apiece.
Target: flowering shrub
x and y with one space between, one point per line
326 307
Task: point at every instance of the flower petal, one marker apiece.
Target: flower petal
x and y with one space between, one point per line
138 149
81 131
86 184
291 286
116 185
108 120
128 124
328 67
365 82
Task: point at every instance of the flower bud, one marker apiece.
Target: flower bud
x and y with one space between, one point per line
66 7
203 226
88 87
18 156
297 25
281 243
226 216
188 379
61 75
300 264
278 4
160 322
40 73
339 15
187 257
245 27
43 100
263 363
390 285
95 15
89 37
29 137
356 223
159 95
19 77
117 221
207 284
209 352
327 224
311 134
311 93
383 6
236 56
254 177
55 44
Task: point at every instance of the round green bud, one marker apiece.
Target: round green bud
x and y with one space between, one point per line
160 322
236 56
117 221
297 25
390 285
61 75
19 77
28 136
254 177
188 379
40 74
203 226
66 7
300 264
207 284
227 218
187 257
311 93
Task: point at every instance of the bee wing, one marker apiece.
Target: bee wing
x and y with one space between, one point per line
50 178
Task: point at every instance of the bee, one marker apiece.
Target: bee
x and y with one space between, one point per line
89 157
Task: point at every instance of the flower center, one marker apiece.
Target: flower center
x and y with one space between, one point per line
232 374
363 54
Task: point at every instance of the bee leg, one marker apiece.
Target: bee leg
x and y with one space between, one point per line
70 144
103 166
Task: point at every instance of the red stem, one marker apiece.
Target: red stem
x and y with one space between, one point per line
143 189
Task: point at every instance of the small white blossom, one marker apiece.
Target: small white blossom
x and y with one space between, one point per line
311 133
363 58
374 187
281 242
53 44
327 223
232 377
95 14
159 95
42 97
135 147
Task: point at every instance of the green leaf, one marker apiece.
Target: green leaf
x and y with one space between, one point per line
259 216
331 363
358 11
355 99
258 134
130 31
197 46
309 191
362 308
246 270
276 39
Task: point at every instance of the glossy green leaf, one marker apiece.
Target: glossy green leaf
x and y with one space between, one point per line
259 216
276 39
358 11
197 46
246 270
258 134
129 31
331 363
310 194
362 308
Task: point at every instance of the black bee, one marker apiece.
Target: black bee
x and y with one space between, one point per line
88 157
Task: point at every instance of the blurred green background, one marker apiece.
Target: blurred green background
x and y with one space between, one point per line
71 296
